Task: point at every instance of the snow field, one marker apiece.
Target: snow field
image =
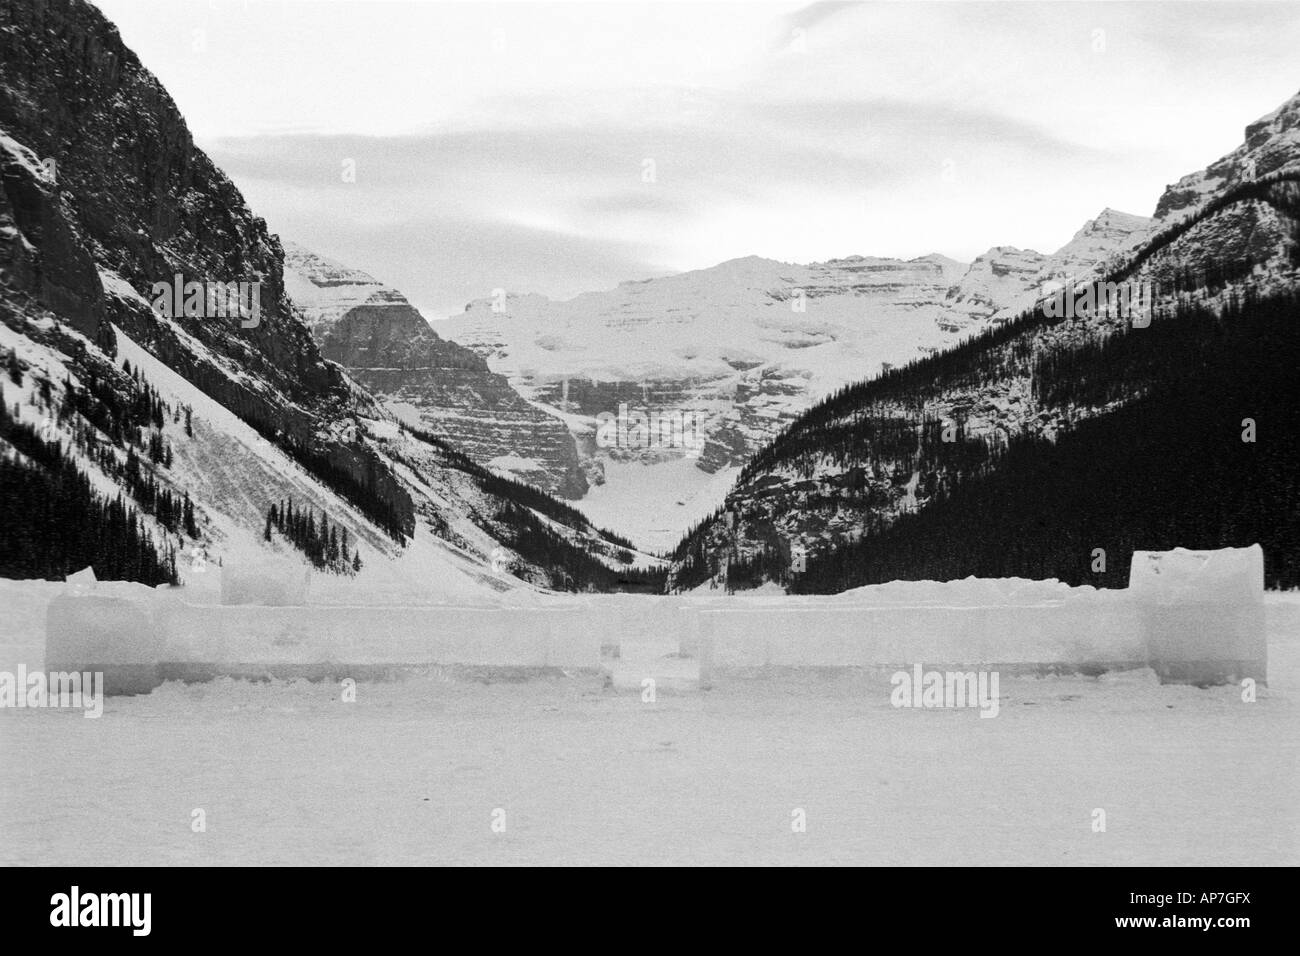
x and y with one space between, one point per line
413 771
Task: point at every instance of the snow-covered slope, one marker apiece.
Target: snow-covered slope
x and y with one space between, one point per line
233 472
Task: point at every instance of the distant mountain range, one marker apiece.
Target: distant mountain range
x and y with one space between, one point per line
1027 447
750 344
860 418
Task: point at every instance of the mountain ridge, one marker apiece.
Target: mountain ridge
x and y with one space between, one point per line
748 344
895 445
232 436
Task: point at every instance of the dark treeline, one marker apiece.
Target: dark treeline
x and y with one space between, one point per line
868 428
324 545
880 459
128 418
123 415
362 494
174 512
58 523
1168 469
107 412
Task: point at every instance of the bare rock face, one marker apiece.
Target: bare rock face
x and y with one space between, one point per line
1235 218
43 255
431 383
1098 241
994 282
1271 144
148 203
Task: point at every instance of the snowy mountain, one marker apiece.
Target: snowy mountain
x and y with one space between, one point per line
866 485
425 380
1271 145
743 348
165 407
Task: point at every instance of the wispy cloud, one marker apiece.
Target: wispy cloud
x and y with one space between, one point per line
560 147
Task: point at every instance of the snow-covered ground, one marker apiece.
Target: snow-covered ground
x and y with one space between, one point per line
415 771
655 505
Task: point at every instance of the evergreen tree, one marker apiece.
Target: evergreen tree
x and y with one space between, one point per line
191 528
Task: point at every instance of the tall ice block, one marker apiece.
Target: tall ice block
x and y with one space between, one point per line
110 635
1203 612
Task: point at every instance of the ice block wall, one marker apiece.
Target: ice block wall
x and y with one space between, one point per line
1194 617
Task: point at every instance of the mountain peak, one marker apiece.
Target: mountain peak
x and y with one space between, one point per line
1269 144
1118 216
747 264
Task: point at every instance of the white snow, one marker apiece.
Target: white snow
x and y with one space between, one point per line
646 768
654 505
413 770
265 582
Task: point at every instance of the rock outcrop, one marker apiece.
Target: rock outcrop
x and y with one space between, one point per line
387 346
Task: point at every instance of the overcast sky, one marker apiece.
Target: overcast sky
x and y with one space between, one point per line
564 147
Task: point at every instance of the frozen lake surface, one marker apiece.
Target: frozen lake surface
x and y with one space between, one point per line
414 771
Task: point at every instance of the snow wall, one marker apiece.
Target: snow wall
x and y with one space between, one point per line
1195 617
139 643
1100 631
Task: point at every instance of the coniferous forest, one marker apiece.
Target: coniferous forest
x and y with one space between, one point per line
324 545
65 524
1206 456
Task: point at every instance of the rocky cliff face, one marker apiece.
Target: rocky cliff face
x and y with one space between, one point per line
426 380
1206 235
147 201
110 393
1271 144
127 195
